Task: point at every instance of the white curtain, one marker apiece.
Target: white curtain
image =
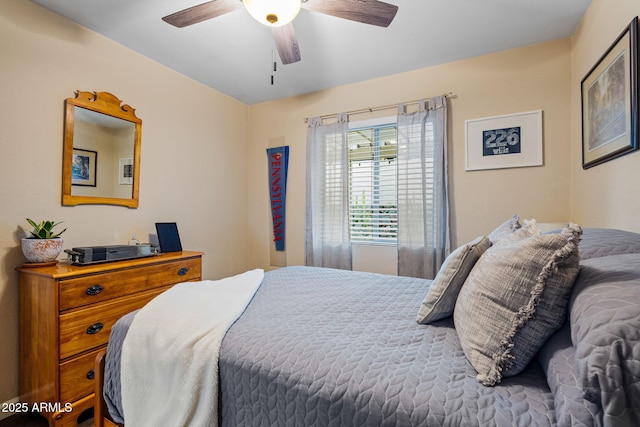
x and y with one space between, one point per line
327 241
423 207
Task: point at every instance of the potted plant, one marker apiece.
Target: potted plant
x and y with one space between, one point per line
44 245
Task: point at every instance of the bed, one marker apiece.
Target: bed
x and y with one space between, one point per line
324 347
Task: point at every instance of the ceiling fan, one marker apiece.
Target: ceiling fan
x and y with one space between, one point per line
278 15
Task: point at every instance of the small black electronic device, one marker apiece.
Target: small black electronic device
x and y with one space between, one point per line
95 254
168 237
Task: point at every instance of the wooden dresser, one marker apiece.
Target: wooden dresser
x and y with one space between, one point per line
66 315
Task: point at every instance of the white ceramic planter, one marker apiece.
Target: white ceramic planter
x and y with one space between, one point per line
42 250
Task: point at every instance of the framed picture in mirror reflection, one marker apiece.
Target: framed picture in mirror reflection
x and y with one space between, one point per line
84 167
125 174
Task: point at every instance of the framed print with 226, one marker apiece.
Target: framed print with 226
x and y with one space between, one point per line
508 141
610 102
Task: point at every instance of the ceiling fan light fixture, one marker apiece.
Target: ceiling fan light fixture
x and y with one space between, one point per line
273 13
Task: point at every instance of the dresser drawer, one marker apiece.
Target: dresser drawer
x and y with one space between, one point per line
94 288
76 377
85 329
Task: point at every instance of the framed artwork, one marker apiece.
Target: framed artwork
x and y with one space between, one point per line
125 171
508 141
610 102
84 166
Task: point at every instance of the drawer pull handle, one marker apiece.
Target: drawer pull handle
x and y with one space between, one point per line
95 328
183 271
94 290
90 374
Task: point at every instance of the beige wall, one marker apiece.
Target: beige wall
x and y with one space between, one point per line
208 173
193 167
608 194
525 79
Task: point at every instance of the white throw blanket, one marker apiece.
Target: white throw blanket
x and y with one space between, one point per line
169 366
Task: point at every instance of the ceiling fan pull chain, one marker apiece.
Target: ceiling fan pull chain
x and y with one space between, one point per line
273 57
274 71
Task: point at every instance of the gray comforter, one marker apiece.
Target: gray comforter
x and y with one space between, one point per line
323 347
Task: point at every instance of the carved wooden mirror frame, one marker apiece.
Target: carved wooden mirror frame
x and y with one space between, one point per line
109 105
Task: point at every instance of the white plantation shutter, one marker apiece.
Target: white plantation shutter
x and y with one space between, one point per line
373 183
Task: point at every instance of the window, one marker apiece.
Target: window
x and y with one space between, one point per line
373 201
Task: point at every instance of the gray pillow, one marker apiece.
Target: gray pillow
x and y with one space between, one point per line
443 292
505 229
599 242
514 299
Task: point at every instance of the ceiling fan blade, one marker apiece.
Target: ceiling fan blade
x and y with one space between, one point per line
371 12
202 12
286 43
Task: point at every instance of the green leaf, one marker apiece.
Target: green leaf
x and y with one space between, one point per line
44 230
33 224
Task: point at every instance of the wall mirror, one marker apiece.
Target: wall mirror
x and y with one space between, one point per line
101 156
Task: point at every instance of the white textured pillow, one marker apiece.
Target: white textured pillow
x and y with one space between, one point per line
515 298
443 292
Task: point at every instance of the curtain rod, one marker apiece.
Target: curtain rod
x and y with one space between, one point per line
381 108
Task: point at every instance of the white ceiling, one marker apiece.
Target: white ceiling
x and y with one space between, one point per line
234 53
